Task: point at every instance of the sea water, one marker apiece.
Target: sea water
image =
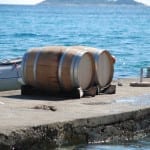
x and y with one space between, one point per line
142 144
123 30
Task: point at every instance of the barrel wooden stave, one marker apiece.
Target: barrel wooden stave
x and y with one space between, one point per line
28 64
46 73
46 68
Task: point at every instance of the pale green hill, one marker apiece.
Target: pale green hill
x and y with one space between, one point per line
82 2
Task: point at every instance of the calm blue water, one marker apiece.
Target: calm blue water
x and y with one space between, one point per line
123 30
142 144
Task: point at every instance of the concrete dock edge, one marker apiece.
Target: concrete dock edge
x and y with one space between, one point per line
106 129
43 122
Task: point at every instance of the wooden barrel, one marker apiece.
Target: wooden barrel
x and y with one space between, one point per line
104 65
76 69
40 67
57 68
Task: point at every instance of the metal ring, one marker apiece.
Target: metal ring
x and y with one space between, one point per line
60 66
35 65
72 69
96 58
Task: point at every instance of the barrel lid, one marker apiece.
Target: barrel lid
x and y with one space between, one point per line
85 71
104 68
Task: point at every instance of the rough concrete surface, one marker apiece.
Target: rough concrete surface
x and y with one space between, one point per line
31 122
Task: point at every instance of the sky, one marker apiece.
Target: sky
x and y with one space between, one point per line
146 2
21 2
33 2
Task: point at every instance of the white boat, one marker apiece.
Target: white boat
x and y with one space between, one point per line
10 74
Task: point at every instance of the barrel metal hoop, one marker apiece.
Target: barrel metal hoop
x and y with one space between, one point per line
96 58
35 65
60 67
75 67
24 66
72 70
112 68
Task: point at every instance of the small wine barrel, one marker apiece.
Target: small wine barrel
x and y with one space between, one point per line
57 68
40 67
104 65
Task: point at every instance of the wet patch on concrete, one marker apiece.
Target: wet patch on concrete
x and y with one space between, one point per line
139 100
98 103
1 103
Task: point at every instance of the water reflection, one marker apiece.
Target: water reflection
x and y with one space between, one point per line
142 144
140 100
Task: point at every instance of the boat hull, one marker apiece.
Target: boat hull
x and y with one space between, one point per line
10 75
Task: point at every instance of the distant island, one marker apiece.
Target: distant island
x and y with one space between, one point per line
90 2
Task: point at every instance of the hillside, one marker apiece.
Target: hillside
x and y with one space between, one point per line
87 2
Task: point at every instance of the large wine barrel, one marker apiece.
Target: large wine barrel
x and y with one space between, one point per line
57 68
104 65
76 69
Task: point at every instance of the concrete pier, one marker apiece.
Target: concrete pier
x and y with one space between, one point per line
44 122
